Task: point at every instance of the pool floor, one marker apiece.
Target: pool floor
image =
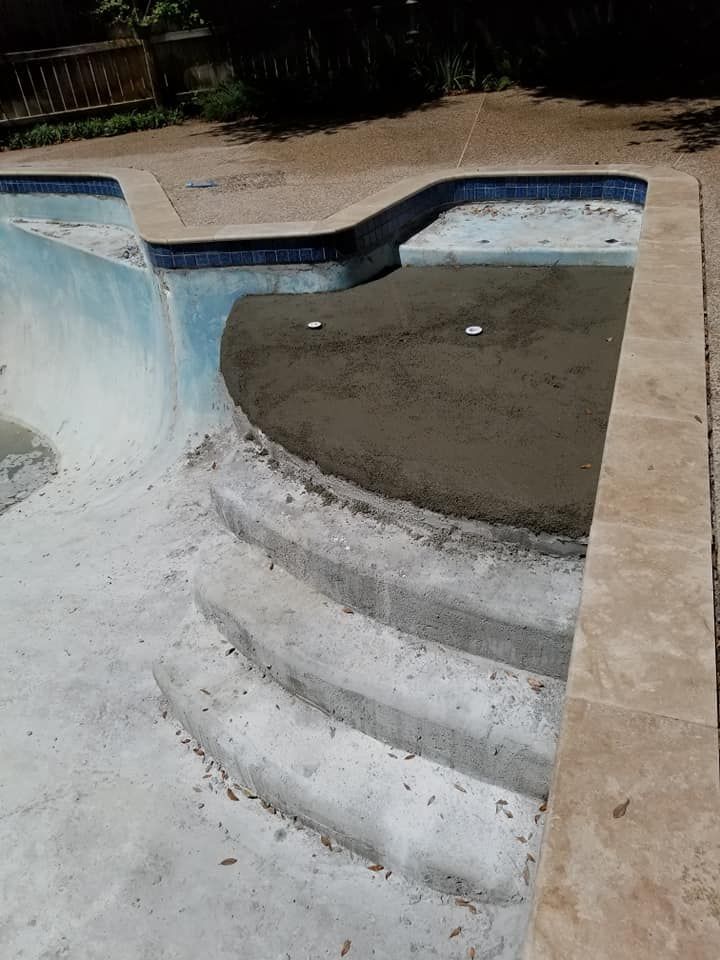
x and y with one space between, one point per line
391 393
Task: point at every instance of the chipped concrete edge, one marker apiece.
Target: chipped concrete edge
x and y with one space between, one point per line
640 718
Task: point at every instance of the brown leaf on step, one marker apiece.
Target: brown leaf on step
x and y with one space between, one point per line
543 807
199 752
501 803
471 953
410 756
272 565
521 839
511 674
229 651
508 813
393 755
699 419
536 818
348 610
531 858
585 466
621 809
493 675
535 684
462 902
249 794
346 948
223 774
206 692
232 795
526 875
164 714
326 842
228 861
214 465
406 786
458 787
376 867
455 933
186 740
431 800
388 874
609 339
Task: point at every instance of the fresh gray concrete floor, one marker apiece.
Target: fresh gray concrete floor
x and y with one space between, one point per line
107 852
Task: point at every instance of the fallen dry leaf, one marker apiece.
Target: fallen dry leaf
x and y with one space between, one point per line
455 933
348 610
272 565
462 902
228 861
543 807
229 651
471 953
431 800
521 839
536 818
249 794
186 740
200 752
535 684
526 875
699 419
410 756
531 858
458 787
206 692
326 842
346 948
508 813
232 795
493 675
621 809
388 874
406 786
376 867
585 466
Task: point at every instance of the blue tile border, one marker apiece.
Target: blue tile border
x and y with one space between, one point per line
388 226
63 184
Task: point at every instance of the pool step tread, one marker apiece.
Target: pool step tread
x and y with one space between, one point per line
499 600
466 712
460 835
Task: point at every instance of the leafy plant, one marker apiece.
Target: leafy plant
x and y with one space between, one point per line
46 134
147 13
229 101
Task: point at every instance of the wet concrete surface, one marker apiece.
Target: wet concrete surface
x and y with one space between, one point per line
392 394
26 463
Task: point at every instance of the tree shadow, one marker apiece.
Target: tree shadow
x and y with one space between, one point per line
697 128
252 129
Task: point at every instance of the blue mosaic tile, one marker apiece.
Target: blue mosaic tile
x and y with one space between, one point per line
92 186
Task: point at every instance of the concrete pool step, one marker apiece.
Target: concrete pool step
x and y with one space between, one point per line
466 712
458 834
491 599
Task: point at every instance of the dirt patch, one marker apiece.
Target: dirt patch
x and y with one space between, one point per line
391 393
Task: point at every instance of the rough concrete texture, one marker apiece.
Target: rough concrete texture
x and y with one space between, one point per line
27 462
531 233
507 426
498 601
101 239
468 713
421 819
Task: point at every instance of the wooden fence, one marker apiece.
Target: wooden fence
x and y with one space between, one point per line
57 84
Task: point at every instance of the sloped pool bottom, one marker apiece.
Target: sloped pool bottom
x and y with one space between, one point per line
392 394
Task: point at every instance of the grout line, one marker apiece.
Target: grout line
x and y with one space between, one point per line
472 130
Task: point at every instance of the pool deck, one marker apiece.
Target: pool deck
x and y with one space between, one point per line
629 864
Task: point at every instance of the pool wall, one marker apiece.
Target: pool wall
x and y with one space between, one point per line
629 862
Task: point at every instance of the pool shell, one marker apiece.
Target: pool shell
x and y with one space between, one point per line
636 776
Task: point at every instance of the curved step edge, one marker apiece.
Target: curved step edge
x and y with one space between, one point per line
415 817
465 712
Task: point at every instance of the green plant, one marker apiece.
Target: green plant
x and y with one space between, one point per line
147 13
46 134
450 71
229 101
491 82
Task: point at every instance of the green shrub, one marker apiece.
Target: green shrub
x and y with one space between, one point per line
46 134
229 101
